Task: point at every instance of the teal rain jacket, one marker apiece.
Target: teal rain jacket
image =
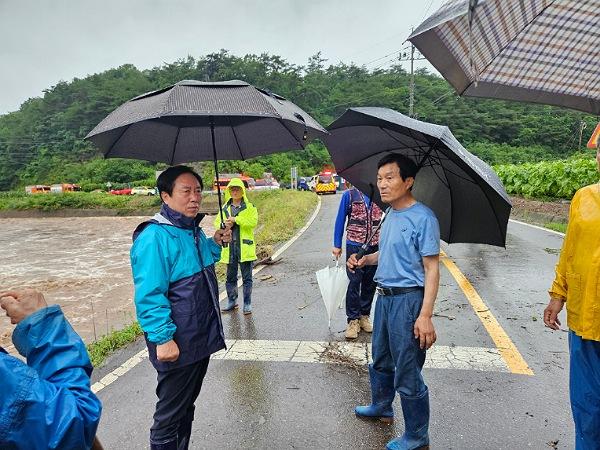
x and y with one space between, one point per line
176 290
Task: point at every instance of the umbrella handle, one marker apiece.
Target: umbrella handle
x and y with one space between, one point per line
365 247
361 252
224 244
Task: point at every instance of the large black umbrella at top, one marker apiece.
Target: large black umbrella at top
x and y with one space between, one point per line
200 121
541 51
463 191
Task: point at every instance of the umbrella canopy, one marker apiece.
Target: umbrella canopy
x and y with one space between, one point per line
542 51
194 120
463 191
333 283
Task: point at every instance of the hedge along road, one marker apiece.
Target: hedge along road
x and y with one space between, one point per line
498 378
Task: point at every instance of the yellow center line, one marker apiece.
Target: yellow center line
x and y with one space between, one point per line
508 350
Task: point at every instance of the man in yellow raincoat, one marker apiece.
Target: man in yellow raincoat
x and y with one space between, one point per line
242 217
577 283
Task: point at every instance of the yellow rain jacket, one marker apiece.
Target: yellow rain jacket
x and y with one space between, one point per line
246 220
578 269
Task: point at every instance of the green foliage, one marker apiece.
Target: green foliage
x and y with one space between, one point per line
549 179
76 200
43 142
102 348
495 154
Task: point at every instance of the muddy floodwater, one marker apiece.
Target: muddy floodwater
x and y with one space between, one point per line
80 263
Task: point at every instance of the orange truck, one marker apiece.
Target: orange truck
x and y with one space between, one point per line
37 189
225 179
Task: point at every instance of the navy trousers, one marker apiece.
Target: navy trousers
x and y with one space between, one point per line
361 289
177 391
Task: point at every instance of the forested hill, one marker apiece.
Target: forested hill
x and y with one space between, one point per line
44 138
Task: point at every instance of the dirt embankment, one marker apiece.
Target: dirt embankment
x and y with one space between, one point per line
538 212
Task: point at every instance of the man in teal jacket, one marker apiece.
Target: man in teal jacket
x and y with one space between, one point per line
46 403
176 300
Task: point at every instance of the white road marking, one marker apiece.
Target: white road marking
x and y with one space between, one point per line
538 227
340 352
337 352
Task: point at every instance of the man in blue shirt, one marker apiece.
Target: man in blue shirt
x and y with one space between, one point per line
407 279
362 217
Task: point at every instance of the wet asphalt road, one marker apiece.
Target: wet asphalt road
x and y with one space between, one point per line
268 405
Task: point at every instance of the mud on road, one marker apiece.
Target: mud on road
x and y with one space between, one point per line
80 263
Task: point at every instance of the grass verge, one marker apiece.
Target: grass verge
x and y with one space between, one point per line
556 226
85 200
103 347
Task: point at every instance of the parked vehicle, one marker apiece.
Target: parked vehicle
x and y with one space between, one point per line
340 183
263 184
224 180
303 184
126 191
326 183
37 189
143 190
64 187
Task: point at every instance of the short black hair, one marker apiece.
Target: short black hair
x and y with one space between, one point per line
166 180
408 168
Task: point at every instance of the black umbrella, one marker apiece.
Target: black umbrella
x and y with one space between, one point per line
199 121
463 191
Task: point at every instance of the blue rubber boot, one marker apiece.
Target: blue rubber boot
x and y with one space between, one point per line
416 424
382 394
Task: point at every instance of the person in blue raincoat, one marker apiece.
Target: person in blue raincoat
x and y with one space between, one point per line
46 403
176 300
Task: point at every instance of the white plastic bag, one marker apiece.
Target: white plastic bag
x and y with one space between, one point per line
333 283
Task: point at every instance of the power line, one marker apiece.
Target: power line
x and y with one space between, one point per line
426 11
383 57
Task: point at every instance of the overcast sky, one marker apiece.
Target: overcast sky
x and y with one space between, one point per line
45 41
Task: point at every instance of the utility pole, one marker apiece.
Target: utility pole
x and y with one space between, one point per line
411 86
411 98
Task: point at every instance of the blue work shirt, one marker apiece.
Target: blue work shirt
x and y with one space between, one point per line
407 235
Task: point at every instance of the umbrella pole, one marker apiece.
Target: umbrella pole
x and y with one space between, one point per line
214 147
365 246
